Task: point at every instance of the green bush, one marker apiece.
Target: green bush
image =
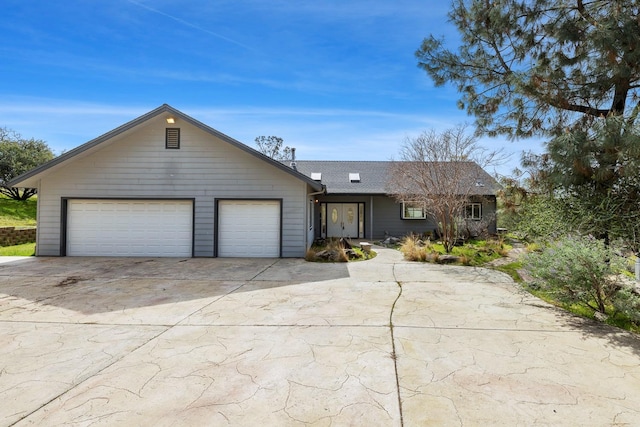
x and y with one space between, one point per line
627 303
583 270
538 217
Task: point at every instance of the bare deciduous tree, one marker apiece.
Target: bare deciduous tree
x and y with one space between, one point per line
272 147
443 172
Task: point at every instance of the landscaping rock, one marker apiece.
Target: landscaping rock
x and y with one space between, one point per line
351 253
448 259
390 241
324 255
330 255
601 317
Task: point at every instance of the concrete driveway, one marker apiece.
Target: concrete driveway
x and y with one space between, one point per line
282 342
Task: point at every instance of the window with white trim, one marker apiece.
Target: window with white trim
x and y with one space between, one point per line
473 211
414 210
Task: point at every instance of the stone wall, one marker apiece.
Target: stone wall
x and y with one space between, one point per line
10 236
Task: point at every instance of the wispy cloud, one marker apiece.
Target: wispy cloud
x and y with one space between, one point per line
189 24
317 133
67 123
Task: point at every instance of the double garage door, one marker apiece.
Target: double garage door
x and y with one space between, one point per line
155 228
164 228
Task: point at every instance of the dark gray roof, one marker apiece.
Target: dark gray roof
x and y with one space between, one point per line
27 179
374 176
335 175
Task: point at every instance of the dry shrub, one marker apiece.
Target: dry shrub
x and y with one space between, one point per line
310 255
433 257
414 249
336 246
464 260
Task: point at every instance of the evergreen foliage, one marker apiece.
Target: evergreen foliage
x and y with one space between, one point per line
564 69
17 156
596 174
532 67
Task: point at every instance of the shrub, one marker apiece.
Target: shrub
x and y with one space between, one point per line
627 302
585 271
337 247
310 255
433 257
414 249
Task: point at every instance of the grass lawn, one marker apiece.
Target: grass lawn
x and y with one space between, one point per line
512 270
14 213
27 249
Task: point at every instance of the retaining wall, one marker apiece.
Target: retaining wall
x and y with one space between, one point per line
10 236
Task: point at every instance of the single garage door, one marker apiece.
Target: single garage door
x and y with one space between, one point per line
153 228
249 228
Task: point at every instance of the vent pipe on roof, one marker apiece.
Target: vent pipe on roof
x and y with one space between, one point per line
293 158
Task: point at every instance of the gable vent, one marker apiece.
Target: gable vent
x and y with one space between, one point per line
354 177
173 138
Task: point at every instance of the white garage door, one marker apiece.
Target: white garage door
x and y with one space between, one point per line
158 228
249 228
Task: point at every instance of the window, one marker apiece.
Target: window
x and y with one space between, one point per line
413 210
474 211
172 140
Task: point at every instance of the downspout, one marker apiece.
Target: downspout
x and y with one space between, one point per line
317 193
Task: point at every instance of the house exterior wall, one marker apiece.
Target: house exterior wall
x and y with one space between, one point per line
383 216
136 165
388 220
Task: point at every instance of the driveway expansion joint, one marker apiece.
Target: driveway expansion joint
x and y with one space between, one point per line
394 354
267 267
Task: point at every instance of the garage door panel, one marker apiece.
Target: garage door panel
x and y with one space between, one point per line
249 228
129 228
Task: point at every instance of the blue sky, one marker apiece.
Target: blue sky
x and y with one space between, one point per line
338 80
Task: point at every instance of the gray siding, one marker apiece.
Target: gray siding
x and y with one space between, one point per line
383 216
388 220
137 165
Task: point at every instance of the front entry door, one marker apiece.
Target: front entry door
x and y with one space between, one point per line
342 220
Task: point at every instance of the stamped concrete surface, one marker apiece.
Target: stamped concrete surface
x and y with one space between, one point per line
283 342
